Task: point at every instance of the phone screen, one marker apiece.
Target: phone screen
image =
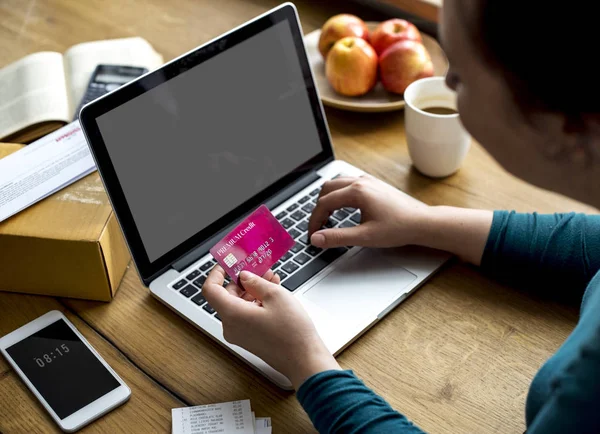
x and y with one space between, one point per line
62 368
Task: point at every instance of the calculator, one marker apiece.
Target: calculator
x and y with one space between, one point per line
107 78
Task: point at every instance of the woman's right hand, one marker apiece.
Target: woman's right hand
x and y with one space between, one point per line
390 218
267 320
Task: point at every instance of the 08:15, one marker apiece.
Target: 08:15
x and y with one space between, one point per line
48 358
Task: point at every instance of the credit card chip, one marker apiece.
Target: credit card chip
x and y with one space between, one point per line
230 260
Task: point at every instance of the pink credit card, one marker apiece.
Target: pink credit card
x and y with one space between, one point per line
254 245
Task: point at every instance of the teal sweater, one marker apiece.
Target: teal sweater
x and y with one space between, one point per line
556 255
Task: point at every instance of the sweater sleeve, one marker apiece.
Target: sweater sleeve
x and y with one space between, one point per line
544 253
338 402
573 402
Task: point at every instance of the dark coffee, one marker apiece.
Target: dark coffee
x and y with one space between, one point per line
440 110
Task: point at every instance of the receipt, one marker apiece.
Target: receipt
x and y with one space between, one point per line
262 425
223 418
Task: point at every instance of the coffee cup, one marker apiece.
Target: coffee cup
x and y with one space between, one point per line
437 141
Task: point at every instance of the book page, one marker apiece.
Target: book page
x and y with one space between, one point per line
81 60
32 90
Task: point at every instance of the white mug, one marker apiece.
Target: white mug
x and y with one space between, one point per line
437 143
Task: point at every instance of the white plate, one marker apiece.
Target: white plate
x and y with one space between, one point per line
378 99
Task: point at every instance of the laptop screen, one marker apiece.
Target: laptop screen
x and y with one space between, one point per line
196 147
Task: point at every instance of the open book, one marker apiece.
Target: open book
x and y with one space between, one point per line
41 92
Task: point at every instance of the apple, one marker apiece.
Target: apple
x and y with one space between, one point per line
351 66
338 27
402 63
391 31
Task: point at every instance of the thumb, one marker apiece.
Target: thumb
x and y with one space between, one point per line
338 237
257 286
219 298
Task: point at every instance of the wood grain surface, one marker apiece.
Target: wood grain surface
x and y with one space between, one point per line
148 409
456 357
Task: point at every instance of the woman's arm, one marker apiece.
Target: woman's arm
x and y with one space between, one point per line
551 252
280 332
463 232
338 402
391 218
554 254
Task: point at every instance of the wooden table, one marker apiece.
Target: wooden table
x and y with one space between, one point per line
457 357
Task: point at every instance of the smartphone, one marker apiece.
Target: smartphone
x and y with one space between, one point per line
107 78
70 379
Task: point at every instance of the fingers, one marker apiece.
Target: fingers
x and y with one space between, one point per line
260 288
339 237
235 290
247 296
217 275
240 292
276 279
272 277
223 300
336 184
330 202
268 275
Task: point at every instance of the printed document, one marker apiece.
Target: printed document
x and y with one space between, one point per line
42 168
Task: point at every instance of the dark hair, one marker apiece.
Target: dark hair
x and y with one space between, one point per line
546 49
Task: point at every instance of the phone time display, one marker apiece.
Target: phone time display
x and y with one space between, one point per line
49 358
62 368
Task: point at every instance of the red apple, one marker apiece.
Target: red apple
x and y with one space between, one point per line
338 27
391 31
402 63
351 66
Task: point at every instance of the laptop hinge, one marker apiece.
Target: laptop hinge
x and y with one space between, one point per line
273 202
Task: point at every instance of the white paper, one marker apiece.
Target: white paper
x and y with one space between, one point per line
42 168
223 418
262 425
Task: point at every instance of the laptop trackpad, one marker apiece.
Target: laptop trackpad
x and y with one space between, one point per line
362 286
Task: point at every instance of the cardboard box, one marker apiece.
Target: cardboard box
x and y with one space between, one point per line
67 245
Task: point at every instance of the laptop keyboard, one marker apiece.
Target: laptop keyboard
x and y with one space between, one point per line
297 266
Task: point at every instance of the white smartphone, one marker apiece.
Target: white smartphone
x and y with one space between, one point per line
63 371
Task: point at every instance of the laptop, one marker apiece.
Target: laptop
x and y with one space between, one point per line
187 151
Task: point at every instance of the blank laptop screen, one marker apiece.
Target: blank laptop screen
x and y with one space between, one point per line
199 145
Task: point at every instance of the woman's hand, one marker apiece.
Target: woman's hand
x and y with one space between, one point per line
389 217
265 319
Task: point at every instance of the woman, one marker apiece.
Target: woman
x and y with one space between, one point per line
524 93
